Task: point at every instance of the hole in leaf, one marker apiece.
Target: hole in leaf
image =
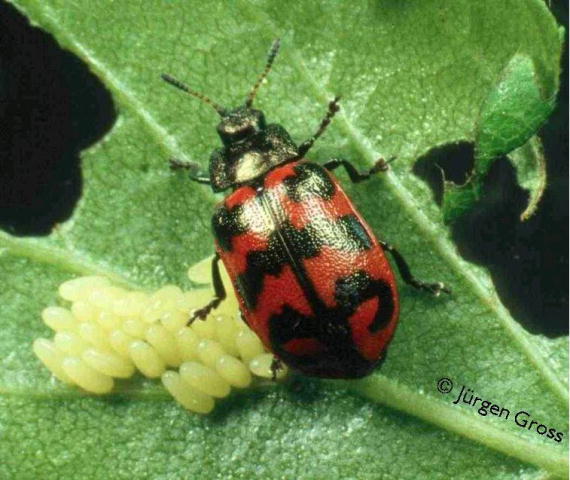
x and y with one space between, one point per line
452 162
527 261
51 108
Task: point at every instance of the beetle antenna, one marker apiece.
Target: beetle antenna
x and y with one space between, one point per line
185 88
266 70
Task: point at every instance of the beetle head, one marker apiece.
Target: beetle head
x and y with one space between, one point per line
239 123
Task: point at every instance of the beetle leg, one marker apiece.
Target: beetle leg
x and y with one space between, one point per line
381 165
307 144
219 293
404 269
195 173
276 365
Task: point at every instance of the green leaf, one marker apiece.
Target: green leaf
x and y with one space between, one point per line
510 115
530 166
413 76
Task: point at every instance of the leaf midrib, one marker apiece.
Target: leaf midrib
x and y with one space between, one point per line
392 394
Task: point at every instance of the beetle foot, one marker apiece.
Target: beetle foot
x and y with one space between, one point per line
202 313
176 164
276 365
436 288
381 165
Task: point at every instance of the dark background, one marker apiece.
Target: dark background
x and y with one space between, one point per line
52 107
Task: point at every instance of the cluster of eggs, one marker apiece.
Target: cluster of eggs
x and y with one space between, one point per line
108 333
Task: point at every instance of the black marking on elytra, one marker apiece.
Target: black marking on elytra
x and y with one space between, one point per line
291 324
284 244
310 180
349 290
330 327
288 243
385 309
340 357
345 233
353 290
227 223
356 231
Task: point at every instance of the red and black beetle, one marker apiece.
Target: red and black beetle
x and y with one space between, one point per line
311 278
